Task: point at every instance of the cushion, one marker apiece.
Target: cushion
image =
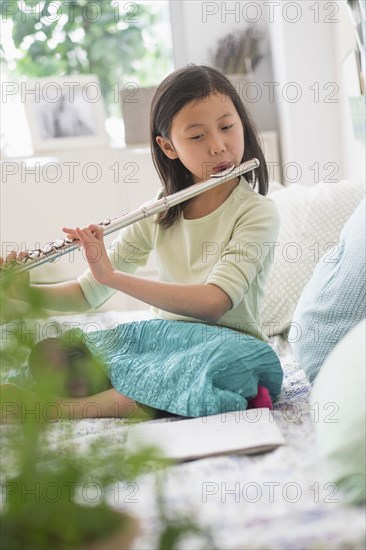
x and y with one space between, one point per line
339 395
312 218
274 186
334 300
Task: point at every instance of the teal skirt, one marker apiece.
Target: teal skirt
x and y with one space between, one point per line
188 369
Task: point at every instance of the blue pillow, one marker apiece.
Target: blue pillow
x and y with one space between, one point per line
334 300
189 369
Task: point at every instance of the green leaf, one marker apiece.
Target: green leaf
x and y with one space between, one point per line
114 54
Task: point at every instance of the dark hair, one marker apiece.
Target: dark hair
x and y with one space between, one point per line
176 90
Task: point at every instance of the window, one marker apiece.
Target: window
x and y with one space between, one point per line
120 42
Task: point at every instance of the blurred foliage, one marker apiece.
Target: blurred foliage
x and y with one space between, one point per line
118 41
43 474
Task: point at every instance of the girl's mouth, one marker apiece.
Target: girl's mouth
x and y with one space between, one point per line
222 166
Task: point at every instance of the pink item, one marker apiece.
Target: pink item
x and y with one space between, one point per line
261 400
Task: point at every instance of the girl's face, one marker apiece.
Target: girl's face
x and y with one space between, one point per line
207 136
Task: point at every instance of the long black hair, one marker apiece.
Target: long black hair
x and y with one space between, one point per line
195 82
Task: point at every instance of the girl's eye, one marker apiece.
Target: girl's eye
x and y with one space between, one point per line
227 127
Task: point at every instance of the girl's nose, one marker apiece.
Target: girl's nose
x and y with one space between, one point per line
217 145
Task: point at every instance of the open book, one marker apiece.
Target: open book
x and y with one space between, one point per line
248 432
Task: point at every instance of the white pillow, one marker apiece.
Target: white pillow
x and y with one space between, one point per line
312 218
339 395
274 186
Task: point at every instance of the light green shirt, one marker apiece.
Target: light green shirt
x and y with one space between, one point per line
232 248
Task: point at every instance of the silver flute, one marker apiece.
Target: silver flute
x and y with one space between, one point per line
53 250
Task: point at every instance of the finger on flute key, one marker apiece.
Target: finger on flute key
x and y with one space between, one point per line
84 233
10 257
22 254
6 260
95 227
71 233
97 230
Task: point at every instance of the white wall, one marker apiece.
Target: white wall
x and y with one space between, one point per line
305 69
316 131
308 78
353 151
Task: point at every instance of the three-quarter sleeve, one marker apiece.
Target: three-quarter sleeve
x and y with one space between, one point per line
249 249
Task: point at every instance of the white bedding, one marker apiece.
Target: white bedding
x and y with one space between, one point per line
278 500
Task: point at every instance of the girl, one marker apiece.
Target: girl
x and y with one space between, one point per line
213 253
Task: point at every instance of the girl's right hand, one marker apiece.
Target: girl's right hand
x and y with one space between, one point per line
18 286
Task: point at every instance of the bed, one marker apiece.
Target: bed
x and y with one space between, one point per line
282 499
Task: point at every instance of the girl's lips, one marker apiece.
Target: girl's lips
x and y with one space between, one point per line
222 166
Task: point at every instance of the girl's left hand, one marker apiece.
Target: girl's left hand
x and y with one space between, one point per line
91 238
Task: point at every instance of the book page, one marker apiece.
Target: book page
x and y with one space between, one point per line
250 431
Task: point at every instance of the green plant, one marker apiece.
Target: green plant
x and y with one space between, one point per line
41 482
119 42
